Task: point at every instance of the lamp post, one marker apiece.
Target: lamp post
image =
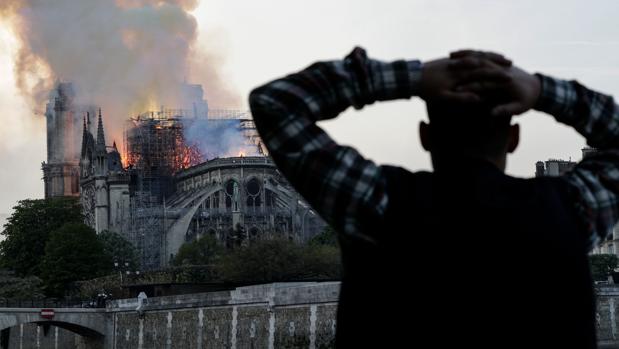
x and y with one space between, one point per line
120 273
124 266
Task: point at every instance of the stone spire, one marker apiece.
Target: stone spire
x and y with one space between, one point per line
100 135
84 135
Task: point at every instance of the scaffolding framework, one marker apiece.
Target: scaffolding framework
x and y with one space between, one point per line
156 148
147 229
211 114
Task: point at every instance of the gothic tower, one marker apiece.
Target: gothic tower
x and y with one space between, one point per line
61 171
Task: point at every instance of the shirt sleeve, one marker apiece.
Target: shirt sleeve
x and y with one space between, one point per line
348 190
594 180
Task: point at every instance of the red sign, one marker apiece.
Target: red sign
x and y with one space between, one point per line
47 313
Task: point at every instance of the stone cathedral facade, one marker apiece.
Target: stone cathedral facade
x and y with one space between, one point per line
236 199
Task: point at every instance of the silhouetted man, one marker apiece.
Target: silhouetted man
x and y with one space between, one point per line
465 256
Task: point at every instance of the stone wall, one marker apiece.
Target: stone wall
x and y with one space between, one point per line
607 316
265 316
286 315
33 336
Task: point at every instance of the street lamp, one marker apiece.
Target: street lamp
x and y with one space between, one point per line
124 266
120 273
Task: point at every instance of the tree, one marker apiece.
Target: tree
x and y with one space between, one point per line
269 260
203 251
73 252
11 286
322 256
322 262
280 260
118 249
327 237
263 261
602 265
27 231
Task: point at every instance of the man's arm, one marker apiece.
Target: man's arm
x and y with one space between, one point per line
595 179
345 188
348 190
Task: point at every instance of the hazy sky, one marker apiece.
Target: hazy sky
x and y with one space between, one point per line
261 40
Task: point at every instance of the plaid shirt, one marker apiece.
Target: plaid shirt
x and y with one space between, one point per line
343 186
348 190
595 180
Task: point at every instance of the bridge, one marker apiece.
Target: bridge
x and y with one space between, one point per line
89 323
277 315
280 315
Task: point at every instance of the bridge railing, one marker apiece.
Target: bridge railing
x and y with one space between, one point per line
50 303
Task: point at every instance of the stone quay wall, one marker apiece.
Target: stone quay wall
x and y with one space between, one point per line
264 316
280 315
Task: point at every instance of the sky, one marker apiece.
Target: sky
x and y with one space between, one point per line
257 41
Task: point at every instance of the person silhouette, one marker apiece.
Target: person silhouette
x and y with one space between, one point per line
466 255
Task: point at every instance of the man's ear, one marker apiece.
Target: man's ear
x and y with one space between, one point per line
514 138
424 135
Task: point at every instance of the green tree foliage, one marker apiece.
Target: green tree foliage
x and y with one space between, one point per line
73 252
322 255
602 265
27 231
327 237
269 260
263 261
118 249
204 251
322 262
11 286
279 260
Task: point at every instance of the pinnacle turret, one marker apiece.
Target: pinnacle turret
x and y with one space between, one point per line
100 134
84 134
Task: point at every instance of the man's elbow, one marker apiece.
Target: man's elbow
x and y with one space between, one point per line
254 98
263 105
257 97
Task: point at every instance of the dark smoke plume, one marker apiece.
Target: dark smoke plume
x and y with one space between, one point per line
127 56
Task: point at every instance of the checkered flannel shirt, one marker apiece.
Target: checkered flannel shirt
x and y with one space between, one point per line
347 189
595 180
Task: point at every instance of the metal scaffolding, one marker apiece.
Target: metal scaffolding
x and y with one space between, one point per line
212 114
147 229
156 149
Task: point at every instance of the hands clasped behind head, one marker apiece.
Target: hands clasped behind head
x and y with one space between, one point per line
480 77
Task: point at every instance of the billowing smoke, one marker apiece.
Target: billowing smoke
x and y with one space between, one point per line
127 56
219 138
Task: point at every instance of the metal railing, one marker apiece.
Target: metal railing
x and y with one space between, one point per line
51 303
216 163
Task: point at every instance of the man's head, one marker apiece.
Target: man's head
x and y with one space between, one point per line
467 130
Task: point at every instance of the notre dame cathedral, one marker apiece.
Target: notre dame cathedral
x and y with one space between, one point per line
170 190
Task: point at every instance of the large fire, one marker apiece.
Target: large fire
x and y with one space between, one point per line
188 155
161 145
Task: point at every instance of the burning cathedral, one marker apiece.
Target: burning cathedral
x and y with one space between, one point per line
179 174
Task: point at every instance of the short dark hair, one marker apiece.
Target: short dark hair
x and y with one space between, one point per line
467 128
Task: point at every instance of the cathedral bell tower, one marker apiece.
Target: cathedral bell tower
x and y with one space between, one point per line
61 171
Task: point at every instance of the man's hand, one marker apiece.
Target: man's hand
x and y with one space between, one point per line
516 94
439 78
